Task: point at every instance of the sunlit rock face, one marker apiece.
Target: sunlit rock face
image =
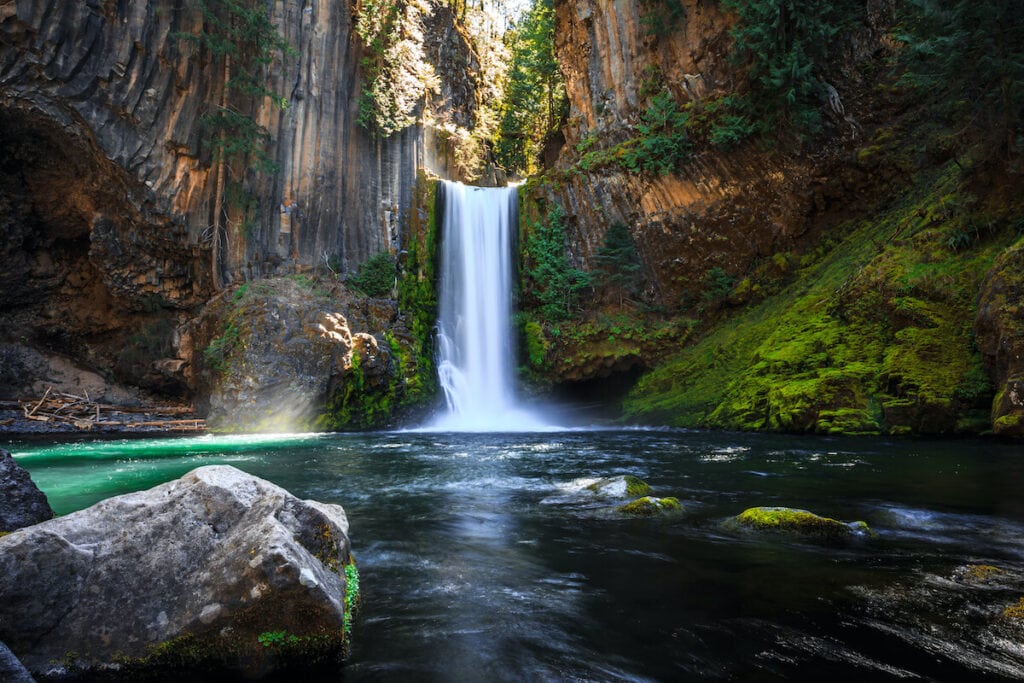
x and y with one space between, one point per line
297 354
724 209
194 571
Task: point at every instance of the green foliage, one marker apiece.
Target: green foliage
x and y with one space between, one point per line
717 284
549 281
661 144
784 45
967 58
721 121
417 297
273 639
218 353
535 344
662 17
535 101
396 75
617 262
351 595
874 335
376 277
240 34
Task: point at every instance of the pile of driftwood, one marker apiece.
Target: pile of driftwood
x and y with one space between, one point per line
83 413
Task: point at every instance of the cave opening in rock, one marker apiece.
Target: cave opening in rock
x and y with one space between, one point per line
60 323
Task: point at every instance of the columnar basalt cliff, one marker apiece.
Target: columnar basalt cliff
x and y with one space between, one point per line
723 208
118 219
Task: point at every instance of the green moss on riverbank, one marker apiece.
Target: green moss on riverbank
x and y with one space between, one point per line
873 335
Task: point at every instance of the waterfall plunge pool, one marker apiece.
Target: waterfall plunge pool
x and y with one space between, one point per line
483 558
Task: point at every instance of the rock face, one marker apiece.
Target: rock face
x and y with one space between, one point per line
109 185
195 570
297 354
21 502
999 332
723 209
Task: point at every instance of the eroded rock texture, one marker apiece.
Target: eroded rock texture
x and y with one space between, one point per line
724 208
194 570
109 186
295 353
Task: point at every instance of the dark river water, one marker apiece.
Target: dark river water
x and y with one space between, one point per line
483 558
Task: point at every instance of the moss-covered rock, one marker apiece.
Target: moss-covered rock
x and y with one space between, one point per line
978 573
619 487
792 520
303 353
1015 612
648 506
873 335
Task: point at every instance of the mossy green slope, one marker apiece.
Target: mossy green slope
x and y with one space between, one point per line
873 335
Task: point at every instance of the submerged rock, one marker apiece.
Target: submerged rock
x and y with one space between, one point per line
797 521
216 571
623 486
21 502
649 506
978 574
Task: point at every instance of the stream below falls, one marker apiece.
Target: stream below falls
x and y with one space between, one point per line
484 558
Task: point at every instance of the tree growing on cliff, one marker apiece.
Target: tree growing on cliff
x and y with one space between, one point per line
784 45
618 264
240 35
535 100
967 58
551 284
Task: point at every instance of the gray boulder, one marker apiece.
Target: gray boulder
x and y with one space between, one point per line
21 502
11 670
218 571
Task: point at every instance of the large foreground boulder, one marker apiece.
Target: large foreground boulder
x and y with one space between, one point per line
21 501
216 571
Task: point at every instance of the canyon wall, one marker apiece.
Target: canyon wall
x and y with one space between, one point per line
723 208
109 183
856 278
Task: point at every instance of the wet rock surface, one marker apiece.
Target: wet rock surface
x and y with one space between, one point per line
194 572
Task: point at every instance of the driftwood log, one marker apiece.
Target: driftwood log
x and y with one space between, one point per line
83 413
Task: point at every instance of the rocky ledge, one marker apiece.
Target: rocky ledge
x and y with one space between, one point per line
218 572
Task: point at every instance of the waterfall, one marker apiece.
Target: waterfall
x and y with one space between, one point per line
476 353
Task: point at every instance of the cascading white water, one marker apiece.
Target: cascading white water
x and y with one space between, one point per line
476 352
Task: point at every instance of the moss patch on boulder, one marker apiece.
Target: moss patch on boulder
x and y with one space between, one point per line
872 335
797 521
649 506
620 487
